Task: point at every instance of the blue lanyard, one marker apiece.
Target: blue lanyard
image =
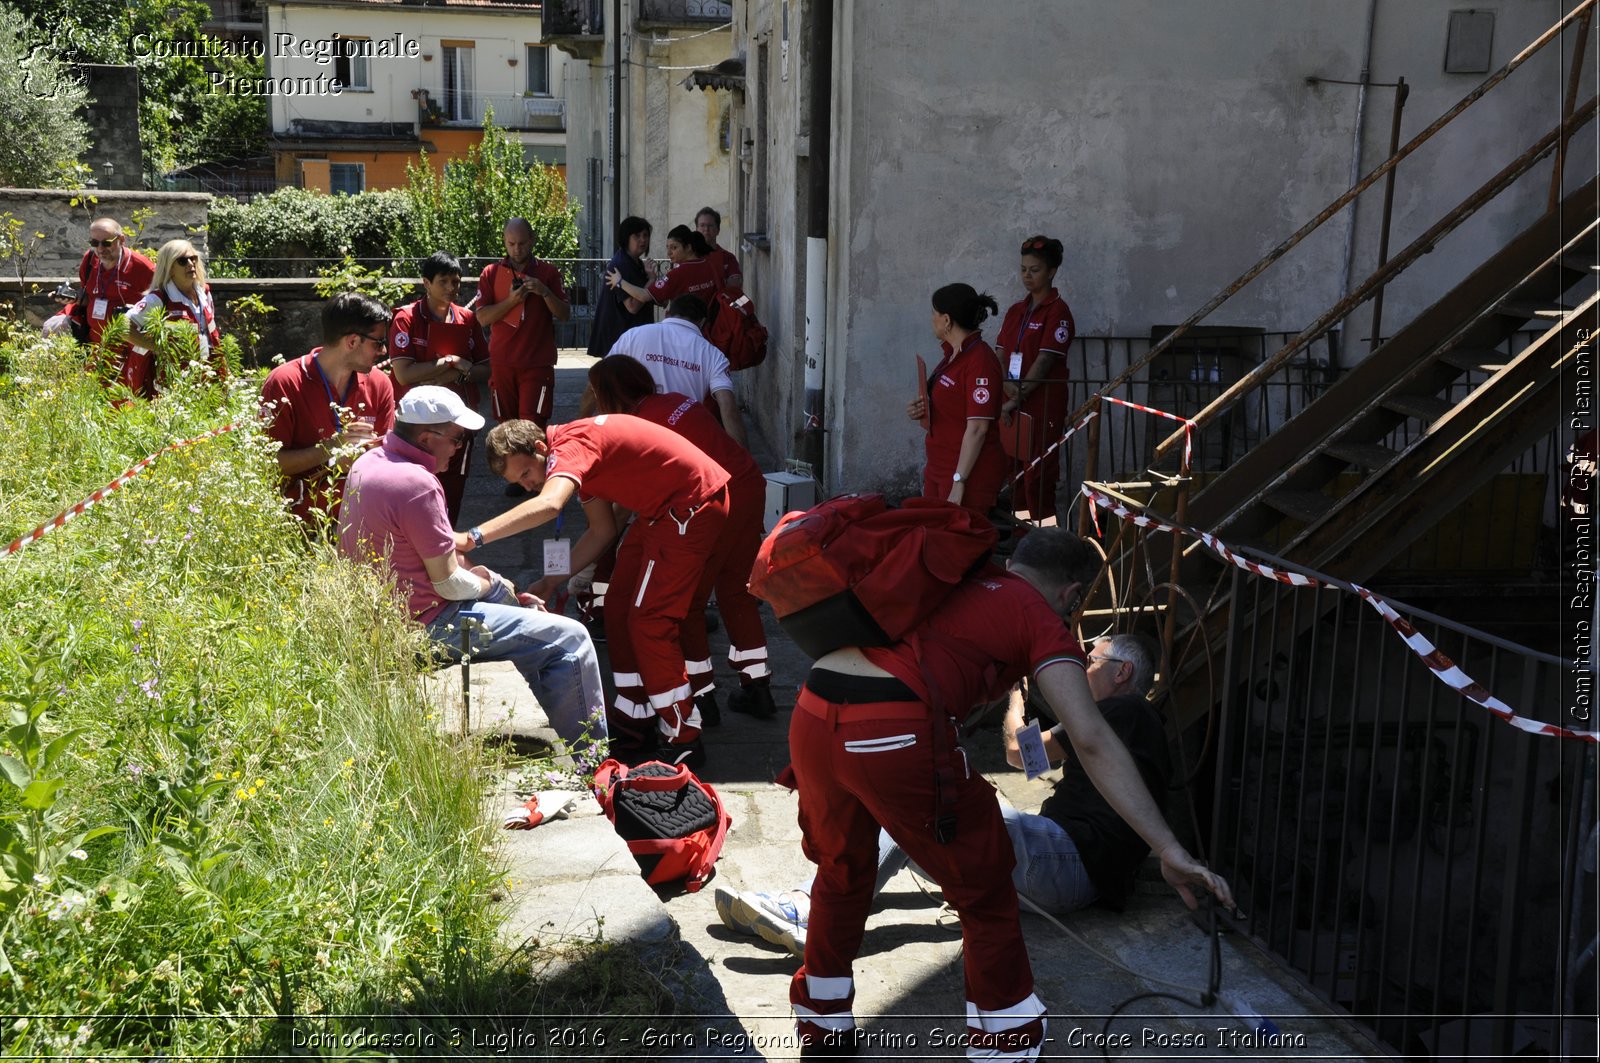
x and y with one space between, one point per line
333 403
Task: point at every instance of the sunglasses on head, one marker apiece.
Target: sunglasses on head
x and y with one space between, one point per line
1038 243
104 243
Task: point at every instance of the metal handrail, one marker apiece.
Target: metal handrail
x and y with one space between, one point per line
1337 205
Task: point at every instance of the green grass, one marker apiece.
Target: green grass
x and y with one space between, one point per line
290 835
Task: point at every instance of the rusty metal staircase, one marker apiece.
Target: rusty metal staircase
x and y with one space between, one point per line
1405 435
1292 495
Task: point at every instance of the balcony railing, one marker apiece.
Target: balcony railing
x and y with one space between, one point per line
684 12
543 113
572 18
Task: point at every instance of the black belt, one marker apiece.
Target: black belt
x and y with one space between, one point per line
843 689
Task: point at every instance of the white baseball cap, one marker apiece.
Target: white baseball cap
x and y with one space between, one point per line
431 404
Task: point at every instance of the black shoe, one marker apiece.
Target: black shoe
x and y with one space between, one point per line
710 711
516 491
691 755
754 700
596 629
713 620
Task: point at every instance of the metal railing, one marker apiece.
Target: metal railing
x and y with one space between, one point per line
1502 528
511 111
572 18
1417 862
687 12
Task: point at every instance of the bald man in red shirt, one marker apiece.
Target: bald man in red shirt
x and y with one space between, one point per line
680 498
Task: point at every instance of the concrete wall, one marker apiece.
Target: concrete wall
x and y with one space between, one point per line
1168 145
66 227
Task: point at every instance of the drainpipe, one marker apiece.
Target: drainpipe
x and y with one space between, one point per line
1355 163
616 116
818 167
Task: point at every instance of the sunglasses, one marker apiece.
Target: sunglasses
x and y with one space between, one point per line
382 339
105 243
187 260
1038 243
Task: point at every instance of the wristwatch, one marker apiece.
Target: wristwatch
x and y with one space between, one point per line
956 478
476 535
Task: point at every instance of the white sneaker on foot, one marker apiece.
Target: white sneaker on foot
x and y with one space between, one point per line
775 917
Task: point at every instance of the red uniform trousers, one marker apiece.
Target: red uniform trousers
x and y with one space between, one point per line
453 477
728 573
592 605
658 568
524 392
867 765
1037 491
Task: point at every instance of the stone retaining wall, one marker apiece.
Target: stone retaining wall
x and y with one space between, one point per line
66 226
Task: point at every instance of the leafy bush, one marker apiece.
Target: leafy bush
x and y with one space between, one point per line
465 213
300 223
292 835
40 99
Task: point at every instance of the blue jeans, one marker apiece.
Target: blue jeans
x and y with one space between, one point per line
1049 871
554 654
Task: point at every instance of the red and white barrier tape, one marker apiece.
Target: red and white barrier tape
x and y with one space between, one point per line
60 519
1446 670
1053 447
1188 425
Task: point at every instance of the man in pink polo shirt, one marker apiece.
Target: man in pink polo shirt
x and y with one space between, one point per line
394 516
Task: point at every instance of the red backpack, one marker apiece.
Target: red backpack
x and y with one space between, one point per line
674 824
733 329
854 572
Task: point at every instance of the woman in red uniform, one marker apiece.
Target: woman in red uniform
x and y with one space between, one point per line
692 273
621 385
435 341
965 464
178 292
1032 345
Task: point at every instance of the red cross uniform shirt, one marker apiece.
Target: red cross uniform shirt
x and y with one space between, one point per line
634 463
965 386
416 335
108 292
997 618
524 338
691 420
701 278
1025 332
301 411
727 266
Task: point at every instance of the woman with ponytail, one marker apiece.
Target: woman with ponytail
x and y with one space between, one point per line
965 464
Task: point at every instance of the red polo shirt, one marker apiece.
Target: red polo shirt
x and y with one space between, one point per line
726 264
526 336
966 385
998 617
634 463
691 420
701 278
416 335
120 287
301 410
1025 332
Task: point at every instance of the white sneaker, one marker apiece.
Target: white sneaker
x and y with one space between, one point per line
775 918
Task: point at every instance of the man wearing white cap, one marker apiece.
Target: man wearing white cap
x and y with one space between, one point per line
394 512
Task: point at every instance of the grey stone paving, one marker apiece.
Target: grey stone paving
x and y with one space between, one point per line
574 878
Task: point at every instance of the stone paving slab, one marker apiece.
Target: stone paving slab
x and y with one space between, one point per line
575 878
